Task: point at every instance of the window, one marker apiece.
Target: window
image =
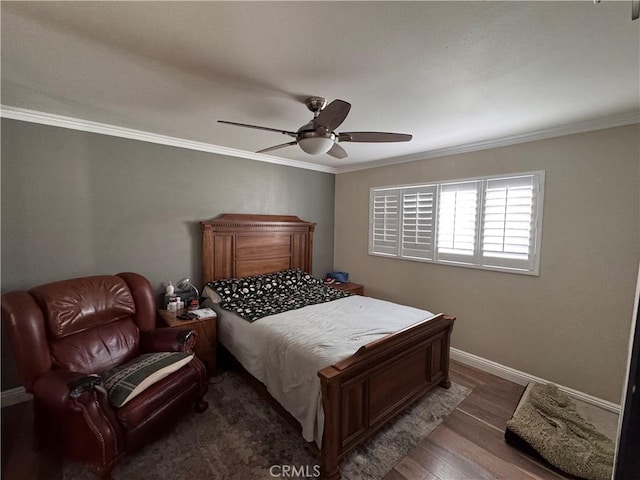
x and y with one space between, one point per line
490 222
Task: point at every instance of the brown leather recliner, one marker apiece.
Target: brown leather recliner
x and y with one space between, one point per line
63 332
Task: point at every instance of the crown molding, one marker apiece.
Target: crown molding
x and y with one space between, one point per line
602 123
33 116
44 118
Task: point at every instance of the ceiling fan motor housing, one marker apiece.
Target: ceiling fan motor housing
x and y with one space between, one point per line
315 104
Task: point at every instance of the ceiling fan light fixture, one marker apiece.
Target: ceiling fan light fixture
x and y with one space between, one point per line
316 145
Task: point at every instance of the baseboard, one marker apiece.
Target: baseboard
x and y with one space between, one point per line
19 395
14 396
522 378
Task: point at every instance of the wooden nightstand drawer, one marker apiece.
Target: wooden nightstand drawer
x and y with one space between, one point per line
350 287
206 328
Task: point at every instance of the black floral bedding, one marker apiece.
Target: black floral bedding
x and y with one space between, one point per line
256 297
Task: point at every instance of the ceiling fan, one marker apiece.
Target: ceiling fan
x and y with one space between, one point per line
318 136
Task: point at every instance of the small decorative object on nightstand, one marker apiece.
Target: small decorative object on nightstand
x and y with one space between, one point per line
186 285
205 326
350 287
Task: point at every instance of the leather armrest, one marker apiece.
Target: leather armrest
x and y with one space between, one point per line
56 389
83 384
168 340
74 415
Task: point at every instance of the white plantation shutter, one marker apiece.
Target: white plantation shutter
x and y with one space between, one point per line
385 221
418 222
491 223
509 222
457 221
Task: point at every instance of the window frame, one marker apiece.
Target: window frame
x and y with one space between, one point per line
479 259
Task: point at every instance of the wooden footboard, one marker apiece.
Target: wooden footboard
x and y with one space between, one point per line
362 393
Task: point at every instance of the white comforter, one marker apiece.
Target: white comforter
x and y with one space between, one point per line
285 351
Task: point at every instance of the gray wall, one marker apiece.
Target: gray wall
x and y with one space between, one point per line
76 203
570 324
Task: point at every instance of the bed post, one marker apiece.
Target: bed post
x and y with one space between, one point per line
329 469
446 347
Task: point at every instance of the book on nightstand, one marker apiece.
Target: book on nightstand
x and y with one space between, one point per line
203 312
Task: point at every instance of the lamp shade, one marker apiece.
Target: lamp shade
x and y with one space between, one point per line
316 145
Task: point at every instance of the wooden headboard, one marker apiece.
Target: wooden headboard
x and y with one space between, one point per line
241 245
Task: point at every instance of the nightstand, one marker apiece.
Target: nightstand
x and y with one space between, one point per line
205 348
350 287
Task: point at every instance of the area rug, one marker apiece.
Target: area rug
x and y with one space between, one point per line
241 437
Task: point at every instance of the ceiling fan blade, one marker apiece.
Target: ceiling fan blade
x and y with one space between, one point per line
337 151
374 137
331 116
282 145
285 132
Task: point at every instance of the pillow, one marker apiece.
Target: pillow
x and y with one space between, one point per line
259 285
233 289
125 382
239 289
295 279
210 294
227 289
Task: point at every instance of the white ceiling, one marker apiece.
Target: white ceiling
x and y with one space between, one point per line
450 73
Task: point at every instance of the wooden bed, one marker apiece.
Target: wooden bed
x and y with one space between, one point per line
361 393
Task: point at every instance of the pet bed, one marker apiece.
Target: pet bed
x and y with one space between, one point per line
547 425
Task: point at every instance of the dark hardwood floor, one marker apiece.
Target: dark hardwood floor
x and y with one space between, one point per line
468 445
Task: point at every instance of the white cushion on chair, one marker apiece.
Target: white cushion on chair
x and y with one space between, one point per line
125 382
